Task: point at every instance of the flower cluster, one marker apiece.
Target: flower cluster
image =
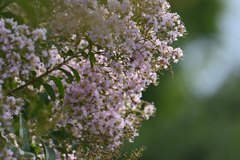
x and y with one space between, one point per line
117 49
21 51
106 106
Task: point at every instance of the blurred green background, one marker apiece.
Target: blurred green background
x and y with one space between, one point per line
198 109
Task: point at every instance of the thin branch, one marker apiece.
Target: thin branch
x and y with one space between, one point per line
39 77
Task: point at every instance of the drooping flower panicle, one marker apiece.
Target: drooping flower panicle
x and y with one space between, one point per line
118 49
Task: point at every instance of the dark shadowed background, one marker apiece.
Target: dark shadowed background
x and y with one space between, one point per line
198 109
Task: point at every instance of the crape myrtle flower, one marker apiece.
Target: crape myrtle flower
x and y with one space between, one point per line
18 55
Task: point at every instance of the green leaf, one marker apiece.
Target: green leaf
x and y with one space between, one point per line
38 108
84 54
5 3
44 97
23 132
60 149
104 2
92 59
68 74
50 91
29 10
49 152
20 151
1 2
37 83
29 155
26 146
59 85
75 72
45 3
70 53
90 42
74 145
24 111
61 134
99 47
55 141
15 17
84 148
7 85
33 73
26 155
91 8
56 133
11 146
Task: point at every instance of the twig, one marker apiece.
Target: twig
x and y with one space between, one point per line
39 77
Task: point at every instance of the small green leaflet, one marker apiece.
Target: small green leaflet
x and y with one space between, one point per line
50 91
75 72
68 74
59 85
